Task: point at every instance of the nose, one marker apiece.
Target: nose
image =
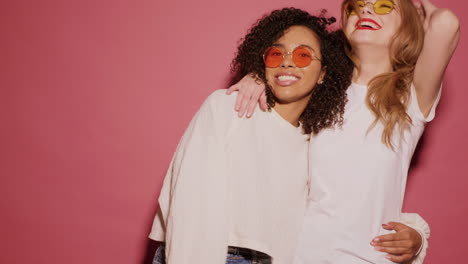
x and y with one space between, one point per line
368 8
287 60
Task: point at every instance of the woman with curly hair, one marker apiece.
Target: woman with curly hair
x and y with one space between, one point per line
236 189
400 51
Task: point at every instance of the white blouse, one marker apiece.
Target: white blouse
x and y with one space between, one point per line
237 182
357 184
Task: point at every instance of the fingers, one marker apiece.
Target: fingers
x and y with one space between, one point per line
384 238
392 237
388 226
425 10
243 96
242 105
395 226
252 104
398 251
419 8
394 250
248 95
239 100
263 101
394 244
399 245
417 4
399 259
233 88
428 5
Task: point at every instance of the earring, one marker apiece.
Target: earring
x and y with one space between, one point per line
320 82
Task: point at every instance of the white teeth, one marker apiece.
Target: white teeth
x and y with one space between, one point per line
287 78
367 23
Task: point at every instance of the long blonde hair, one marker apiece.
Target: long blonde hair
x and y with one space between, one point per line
389 93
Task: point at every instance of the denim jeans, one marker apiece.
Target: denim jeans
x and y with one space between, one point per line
159 258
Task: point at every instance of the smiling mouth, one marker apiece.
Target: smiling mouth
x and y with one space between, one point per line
367 24
286 79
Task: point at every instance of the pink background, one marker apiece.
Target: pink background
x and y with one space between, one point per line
94 96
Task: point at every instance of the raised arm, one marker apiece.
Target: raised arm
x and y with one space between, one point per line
442 33
251 93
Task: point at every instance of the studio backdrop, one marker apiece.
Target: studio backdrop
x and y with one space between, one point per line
95 95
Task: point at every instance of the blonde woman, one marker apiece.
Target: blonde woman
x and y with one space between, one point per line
358 171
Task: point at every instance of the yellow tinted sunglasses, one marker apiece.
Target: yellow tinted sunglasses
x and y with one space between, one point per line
381 7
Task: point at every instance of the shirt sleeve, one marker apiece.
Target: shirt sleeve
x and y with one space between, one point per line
419 224
415 111
192 215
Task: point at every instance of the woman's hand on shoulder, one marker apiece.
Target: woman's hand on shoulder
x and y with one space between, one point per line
432 16
401 246
251 92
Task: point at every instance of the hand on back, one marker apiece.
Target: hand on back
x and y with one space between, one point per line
401 246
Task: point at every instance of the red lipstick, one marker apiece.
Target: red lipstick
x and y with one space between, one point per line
367 23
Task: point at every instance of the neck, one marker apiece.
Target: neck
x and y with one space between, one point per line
291 112
372 61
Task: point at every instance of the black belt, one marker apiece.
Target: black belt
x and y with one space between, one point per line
250 254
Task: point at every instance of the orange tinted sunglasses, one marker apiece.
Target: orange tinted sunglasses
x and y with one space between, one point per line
302 56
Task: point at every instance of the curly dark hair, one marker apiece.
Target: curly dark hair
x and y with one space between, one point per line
327 104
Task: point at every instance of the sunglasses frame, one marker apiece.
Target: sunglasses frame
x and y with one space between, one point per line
314 57
349 13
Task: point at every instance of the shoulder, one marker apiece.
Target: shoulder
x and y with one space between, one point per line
219 98
221 104
217 113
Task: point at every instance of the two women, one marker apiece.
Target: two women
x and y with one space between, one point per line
358 172
236 190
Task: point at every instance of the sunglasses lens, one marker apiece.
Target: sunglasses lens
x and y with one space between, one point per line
302 57
351 11
273 57
383 7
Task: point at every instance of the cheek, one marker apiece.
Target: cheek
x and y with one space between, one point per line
269 75
393 23
349 26
310 77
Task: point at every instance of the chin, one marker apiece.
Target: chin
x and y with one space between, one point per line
367 37
366 40
288 98
283 93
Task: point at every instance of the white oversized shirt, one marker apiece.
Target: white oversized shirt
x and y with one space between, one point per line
357 184
237 182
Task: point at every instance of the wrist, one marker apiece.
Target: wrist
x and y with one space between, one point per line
423 241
